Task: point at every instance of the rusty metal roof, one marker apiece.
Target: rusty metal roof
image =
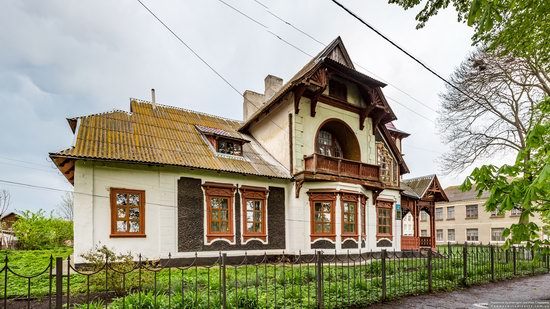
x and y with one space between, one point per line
165 135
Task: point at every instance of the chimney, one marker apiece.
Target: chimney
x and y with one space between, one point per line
254 101
153 98
272 85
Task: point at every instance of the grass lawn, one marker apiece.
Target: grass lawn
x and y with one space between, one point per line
260 286
29 263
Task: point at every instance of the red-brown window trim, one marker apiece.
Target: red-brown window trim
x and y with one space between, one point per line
349 197
114 214
254 193
322 197
223 190
364 216
382 204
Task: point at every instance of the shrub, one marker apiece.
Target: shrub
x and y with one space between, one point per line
34 230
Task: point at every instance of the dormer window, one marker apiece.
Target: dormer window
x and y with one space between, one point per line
338 90
230 147
223 142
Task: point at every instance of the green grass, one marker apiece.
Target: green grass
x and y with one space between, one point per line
268 285
29 263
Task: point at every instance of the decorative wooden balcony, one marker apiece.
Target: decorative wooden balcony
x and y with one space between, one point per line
410 243
338 167
425 241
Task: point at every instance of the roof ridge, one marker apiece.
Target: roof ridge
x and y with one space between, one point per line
114 110
419 177
186 110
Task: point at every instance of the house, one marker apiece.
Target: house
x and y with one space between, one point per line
463 218
315 165
419 198
8 220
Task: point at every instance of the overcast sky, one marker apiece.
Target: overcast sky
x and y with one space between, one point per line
60 59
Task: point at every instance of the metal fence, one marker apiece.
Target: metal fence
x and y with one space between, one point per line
319 280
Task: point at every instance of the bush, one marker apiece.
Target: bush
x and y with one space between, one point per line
34 230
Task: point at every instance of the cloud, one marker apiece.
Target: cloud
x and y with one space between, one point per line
65 58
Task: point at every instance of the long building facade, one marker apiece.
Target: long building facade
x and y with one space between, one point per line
464 219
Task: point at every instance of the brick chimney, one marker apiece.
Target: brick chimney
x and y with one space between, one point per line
254 101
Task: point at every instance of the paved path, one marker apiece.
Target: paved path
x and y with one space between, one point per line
535 288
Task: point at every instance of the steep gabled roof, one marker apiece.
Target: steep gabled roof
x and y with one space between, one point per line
418 187
165 135
335 55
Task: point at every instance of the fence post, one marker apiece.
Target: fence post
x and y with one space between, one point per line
224 281
492 262
514 262
449 249
319 278
430 283
383 260
58 282
548 261
465 264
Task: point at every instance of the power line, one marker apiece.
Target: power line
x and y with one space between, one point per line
425 66
310 55
355 63
24 161
202 59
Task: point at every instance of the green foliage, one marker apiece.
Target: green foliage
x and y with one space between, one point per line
34 230
524 185
519 28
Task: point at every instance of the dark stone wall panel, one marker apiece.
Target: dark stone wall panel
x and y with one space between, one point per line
323 244
350 244
191 220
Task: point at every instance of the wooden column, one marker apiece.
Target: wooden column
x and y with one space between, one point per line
432 223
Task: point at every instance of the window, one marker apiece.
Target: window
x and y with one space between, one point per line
439 235
450 235
322 215
496 234
219 210
349 214
127 213
423 233
515 212
439 213
496 213
472 234
337 89
384 211
423 216
230 147
451 213
388 167
328 145
471 211
254 212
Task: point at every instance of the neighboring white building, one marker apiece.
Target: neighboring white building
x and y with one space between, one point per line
315 165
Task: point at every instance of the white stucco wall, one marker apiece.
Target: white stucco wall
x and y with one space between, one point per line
92 218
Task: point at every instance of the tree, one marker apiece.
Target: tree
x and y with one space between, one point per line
5 200
517 28
497 113
523 185
66 207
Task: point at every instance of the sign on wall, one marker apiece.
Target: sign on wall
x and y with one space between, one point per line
397 211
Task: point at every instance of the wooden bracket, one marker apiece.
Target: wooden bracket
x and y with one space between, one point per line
315 99
298 92
298 187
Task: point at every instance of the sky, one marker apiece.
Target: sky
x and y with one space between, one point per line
61 59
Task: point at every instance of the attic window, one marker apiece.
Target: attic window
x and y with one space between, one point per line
229 147
338 90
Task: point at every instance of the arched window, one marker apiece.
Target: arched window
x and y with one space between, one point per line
328 145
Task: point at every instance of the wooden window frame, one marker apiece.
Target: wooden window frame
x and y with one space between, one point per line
114 214
228 140
249 193
338 90
219 190
322 197
386 205
334 146
364 217
352 198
